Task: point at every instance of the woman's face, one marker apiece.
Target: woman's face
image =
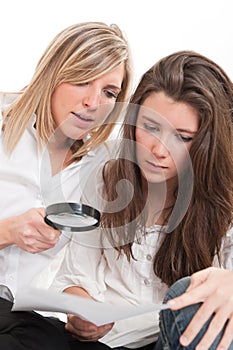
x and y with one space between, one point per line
77 109
164 133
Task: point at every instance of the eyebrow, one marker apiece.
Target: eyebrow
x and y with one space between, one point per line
187 130
179 130
111 86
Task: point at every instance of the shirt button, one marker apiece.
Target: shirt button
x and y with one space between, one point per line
146 282
11 277
149 257
139 240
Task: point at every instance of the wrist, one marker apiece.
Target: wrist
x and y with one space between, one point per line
7 232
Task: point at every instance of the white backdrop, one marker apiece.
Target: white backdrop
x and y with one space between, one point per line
154 28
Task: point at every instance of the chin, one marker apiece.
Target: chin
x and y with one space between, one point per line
152 180
76 136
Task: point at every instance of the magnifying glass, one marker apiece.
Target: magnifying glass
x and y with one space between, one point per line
72 217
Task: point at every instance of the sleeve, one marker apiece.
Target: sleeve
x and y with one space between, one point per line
84 267
1 104
90 175
227 251
84 262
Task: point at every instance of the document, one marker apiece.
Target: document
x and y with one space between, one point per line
96 312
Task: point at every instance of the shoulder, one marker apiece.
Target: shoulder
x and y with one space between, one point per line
228 239
6 98
109 149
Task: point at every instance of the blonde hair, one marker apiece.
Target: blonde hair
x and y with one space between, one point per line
78 54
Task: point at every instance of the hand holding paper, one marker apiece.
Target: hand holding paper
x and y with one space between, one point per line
90 310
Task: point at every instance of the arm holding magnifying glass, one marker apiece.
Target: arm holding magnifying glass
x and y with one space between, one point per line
87 70
28 231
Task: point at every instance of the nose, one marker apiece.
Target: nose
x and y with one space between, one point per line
91 100
160 148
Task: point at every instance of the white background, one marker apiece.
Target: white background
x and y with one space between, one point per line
154 29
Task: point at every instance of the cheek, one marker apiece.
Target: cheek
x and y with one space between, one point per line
54 109
180 161
143 145
104 111
144 142
179 153
58 106
140 137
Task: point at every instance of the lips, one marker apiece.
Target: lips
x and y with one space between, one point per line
156 166
82 117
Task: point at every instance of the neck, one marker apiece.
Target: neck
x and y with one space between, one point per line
60 153
160 201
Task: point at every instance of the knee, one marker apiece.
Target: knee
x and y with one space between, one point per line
178 288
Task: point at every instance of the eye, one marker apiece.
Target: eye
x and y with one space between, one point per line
151 127
184 138
110 94
83 84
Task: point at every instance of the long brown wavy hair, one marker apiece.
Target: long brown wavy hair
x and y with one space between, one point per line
192 244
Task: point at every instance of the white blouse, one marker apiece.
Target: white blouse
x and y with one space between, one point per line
26 182
93 264
110 277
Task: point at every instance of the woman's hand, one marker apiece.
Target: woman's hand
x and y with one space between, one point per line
84 330
29 231
213 287
81 329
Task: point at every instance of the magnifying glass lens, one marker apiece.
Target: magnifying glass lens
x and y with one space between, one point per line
73 217
75 220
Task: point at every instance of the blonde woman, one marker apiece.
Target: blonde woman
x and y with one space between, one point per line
68 109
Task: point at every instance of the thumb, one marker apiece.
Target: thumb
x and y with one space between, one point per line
198 278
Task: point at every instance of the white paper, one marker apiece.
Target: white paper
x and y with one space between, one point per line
90 310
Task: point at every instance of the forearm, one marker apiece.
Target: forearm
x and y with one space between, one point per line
78 291
6 229
80 328
28 231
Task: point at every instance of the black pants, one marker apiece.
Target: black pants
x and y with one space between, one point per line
22 330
